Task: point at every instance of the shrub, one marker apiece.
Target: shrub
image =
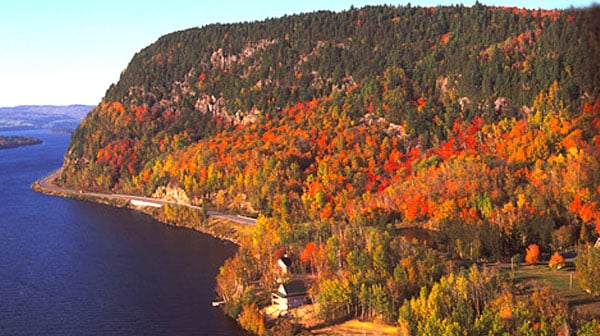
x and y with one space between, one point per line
556 261
252 320
588 269
590 328
532 254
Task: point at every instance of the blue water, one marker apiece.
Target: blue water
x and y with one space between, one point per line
75 268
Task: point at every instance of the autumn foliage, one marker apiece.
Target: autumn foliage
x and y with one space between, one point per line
309 253
479 126
588 269
252 320
556 261
532 254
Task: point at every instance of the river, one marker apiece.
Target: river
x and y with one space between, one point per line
75 268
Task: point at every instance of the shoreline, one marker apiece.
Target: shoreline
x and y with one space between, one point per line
218 225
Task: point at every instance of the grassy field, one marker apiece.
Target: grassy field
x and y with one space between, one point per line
358 328
560 280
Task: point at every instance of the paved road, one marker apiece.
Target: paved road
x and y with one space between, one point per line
46 183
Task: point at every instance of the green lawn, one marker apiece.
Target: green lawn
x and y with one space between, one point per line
560 280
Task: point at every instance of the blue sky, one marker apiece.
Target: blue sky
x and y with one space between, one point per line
69 51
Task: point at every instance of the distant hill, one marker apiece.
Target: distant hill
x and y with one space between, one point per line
42 116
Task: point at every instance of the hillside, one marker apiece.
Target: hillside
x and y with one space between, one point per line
42 116
341 129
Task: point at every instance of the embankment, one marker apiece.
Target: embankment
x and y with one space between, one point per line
219 225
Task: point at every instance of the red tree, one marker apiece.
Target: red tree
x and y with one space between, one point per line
308 255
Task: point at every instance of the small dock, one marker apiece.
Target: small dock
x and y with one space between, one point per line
218 303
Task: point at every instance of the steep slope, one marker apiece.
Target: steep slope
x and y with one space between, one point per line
341 129
392 91
449 62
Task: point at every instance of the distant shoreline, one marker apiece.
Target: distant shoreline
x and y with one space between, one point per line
32 117
15 141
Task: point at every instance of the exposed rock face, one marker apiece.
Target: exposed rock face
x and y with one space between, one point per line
465 103
214 105
172 194
221 59
502 103
390 128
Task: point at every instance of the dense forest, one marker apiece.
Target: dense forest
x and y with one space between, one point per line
479 125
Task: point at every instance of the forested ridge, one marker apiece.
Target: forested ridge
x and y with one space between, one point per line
479 124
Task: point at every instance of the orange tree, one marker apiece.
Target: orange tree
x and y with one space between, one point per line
532 254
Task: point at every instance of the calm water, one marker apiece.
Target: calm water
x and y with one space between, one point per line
75 268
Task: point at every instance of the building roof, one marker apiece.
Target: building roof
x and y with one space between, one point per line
292 288
285 260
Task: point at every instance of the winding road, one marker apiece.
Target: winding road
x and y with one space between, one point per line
46 184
